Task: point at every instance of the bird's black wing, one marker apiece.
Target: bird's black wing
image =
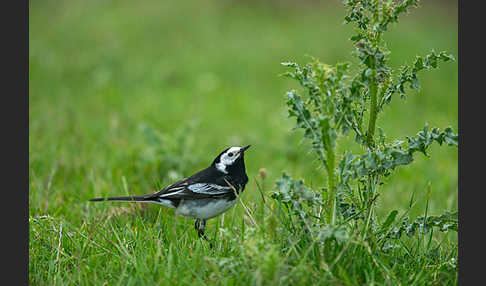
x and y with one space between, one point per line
197 187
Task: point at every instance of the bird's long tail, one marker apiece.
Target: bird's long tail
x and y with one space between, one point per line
124 199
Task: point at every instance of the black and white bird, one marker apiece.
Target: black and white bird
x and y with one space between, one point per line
204 195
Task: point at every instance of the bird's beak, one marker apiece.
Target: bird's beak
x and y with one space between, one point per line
243 149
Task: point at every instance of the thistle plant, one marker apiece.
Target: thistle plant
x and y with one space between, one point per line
333 103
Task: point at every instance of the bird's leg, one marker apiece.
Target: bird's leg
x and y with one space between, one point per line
200 226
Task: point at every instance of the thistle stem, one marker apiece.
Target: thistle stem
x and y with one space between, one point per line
373 109
373 90
330 179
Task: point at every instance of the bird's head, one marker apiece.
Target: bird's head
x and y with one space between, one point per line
230 158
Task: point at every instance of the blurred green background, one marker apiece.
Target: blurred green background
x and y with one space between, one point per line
151 91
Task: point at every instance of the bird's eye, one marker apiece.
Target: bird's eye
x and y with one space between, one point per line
230 154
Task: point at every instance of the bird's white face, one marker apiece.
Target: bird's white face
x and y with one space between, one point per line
229 157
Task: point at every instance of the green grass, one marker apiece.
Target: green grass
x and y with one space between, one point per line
126 97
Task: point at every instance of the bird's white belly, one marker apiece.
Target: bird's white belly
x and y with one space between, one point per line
204 209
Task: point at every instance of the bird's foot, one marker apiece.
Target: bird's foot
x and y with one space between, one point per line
200 226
